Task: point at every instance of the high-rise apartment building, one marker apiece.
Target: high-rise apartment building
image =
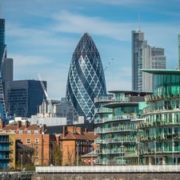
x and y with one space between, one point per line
86 77
116 120
179 49
24 97
144 57
160 130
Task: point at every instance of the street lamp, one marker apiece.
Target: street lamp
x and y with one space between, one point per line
21 160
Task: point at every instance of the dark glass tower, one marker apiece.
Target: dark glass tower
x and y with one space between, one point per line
2 59
86 77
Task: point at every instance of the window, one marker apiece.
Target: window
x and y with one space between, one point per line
28 141
29 131
36 131
36 140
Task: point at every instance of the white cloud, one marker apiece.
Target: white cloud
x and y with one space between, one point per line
58 36
28 61
75 23
124 2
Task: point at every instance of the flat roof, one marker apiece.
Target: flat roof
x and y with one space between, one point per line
119 104
162 71
130 92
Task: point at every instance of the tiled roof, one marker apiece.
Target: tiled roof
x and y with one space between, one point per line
84 136
22 127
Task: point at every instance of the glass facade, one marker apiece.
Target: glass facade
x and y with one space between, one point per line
4 151
144 56
116 121
24 97
2 58
160 138
86 79
179 48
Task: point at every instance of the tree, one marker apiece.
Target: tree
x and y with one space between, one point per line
57 155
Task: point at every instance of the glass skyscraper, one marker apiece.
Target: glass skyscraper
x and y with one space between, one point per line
2 59
86 77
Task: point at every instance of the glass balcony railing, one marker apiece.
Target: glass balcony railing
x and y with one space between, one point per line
103 110
159 123
104 99
119 140
4 149
115 118
4 157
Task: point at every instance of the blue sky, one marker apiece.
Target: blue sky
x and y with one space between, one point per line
41 35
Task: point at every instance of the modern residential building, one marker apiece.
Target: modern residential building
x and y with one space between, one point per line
7 151
160 138
179 49
144 56
116 120
24 97
33 137
75 142
86 77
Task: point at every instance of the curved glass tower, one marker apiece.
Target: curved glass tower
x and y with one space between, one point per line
86 77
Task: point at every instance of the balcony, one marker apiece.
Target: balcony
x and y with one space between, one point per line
104 99
115 129
103 110
119 140
4 157
159 123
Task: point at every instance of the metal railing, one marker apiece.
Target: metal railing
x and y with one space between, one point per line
108 169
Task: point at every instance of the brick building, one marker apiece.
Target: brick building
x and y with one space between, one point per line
34 137
74 142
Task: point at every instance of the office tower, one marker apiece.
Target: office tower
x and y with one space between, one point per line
7 69
2 40
86 77
179 50
24 97
2 58
144 56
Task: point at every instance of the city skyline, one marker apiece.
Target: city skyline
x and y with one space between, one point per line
57 26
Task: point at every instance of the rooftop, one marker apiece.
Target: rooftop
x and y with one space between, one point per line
162 71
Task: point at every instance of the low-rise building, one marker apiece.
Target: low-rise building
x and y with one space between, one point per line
7 151
75 142
33 136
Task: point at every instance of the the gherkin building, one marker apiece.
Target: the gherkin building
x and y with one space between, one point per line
86 79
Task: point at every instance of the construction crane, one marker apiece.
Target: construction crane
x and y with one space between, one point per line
3 113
